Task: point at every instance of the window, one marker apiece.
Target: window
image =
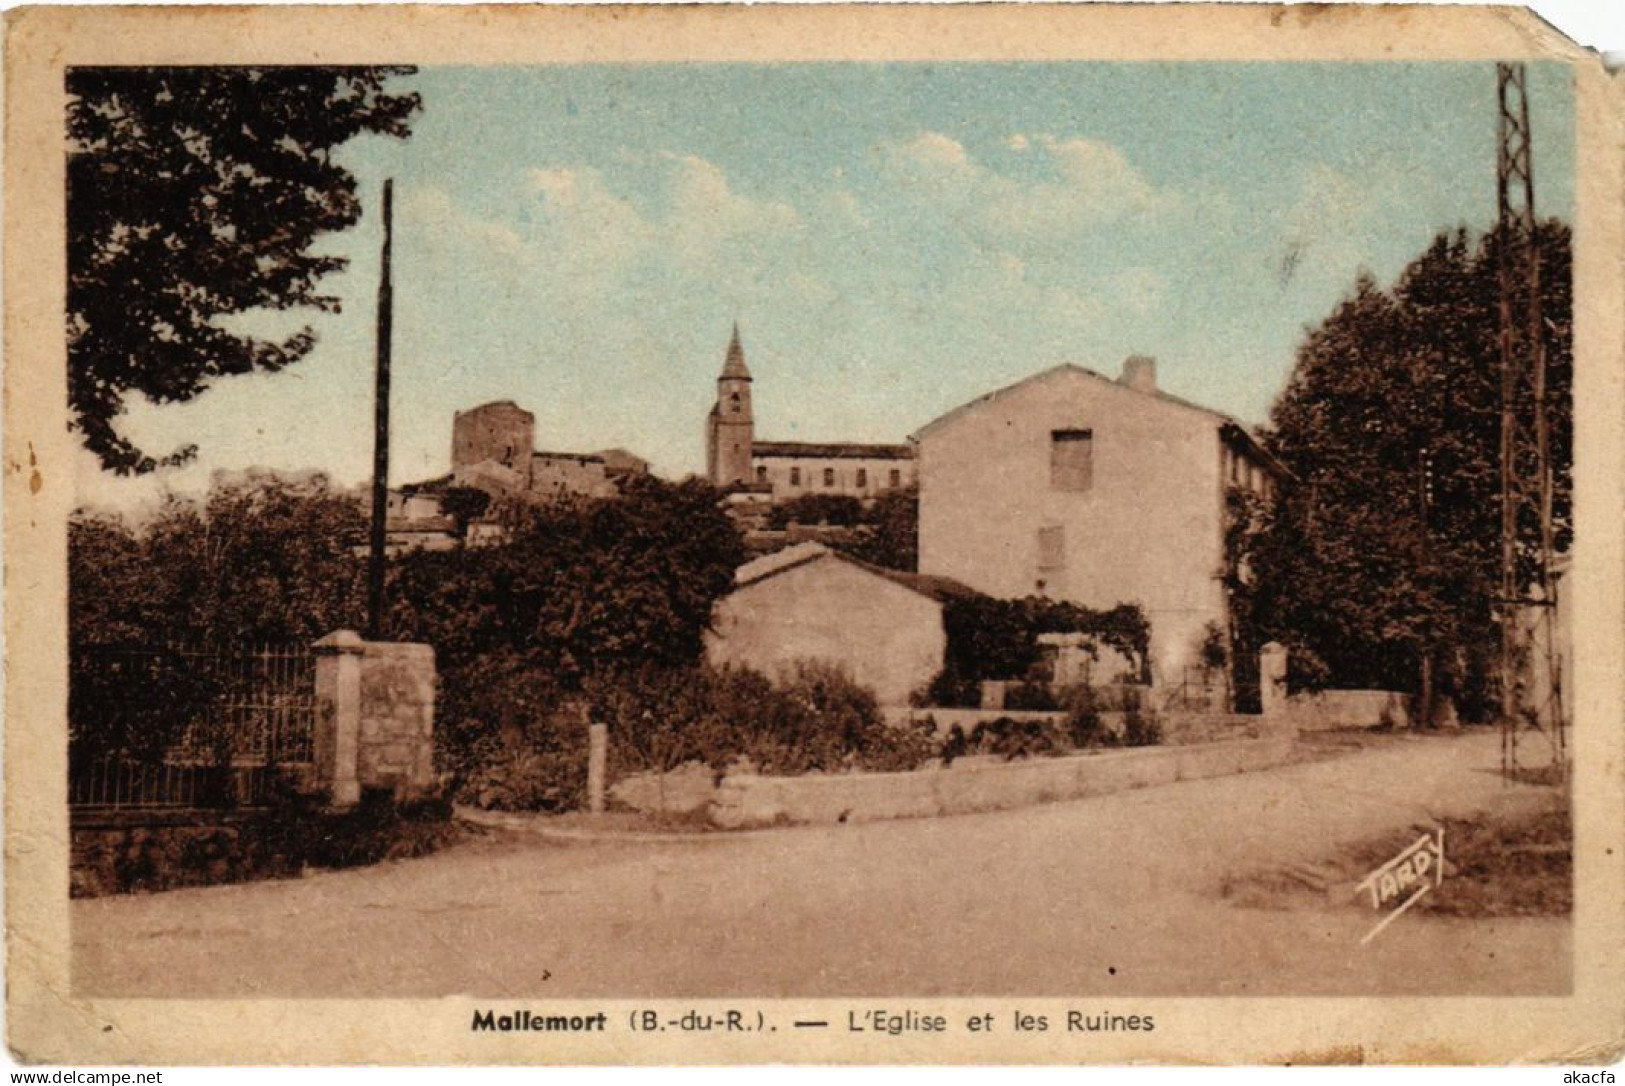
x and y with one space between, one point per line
896 477
1051 547
863 478
733 403
795 476
1071 459
829 476
761 473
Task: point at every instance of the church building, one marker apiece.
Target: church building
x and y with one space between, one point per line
735 459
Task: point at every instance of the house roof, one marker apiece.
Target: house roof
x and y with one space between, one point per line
427 486
940 589
410 525
1232 427
841 450
584 458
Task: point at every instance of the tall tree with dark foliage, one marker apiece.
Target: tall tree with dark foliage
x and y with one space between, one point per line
1380 562
195 194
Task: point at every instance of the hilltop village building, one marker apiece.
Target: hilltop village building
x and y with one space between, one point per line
774 471
493 450
1075 486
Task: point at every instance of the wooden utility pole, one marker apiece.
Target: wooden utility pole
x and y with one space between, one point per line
380 434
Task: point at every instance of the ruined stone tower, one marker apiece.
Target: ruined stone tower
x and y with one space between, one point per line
730 429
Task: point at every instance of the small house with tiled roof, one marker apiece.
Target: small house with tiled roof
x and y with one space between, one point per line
809 602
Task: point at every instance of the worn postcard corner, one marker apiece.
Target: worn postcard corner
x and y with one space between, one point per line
810 534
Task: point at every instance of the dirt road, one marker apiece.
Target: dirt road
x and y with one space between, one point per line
1116 895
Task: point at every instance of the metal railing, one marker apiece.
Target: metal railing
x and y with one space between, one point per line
184 725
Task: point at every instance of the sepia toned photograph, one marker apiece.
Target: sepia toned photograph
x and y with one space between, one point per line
725 550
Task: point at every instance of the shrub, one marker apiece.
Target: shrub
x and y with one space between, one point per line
816 719
1011 739
949 690
834 509
505 776
1139 730
511 735
1031 696
1083 718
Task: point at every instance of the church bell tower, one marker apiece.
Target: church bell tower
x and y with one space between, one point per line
731 428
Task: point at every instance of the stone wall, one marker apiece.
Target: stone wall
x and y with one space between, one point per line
748 800
145 849
122 852
1327 708
1349 709
397 717
374 717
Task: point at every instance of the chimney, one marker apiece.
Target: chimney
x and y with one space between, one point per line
1139 373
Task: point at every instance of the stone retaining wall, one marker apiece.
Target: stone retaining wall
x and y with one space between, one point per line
1349 709
865 797
120 852
746 800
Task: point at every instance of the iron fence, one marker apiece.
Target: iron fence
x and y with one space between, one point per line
181 725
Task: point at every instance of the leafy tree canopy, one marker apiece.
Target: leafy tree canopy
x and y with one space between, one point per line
580 585
195 194
1380 562
266 560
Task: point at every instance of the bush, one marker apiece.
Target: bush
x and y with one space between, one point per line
513 738
949 690
816 719
1083 718
1139 730
844 510
1031 696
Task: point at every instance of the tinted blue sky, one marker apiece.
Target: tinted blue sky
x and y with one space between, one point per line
893 240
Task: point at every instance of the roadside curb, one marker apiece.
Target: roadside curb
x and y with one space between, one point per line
536 825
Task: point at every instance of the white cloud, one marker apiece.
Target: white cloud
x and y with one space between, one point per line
705 213
937 152
1089 184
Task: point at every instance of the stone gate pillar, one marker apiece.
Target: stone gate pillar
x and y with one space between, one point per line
337 740
1272 680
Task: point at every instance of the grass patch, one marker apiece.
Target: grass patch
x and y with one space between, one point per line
1515 861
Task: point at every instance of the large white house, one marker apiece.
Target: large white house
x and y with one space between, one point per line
1078 487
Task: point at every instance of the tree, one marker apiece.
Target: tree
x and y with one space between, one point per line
889 531
464 505
579 585
194 194
836 510
266 560
1380 561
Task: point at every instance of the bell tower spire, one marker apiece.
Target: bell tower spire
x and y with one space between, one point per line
731 428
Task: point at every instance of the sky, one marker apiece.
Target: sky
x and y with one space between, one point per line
892 239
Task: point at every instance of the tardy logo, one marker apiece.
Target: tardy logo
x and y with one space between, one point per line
1408 876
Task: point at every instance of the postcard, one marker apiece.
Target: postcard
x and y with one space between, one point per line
831 534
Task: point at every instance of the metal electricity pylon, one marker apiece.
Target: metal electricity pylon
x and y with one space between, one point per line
1530 668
